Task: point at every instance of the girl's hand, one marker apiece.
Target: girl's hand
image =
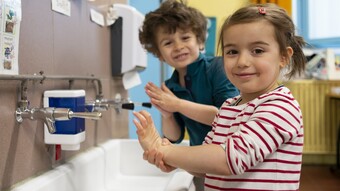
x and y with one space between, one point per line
147 133
156 158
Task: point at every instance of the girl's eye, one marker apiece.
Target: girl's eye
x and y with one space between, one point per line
231 52
258 51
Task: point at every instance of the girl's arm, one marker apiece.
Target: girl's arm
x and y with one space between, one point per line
197 159
200 159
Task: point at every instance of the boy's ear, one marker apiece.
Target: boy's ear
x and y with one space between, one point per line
286 60
160 57
201 46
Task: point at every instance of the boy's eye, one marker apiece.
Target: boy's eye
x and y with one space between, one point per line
166 43
186 37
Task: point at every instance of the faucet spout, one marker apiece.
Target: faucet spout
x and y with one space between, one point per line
50 114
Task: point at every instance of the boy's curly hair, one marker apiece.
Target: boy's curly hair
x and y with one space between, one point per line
170 16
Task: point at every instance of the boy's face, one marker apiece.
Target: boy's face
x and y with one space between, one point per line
178 49
252 57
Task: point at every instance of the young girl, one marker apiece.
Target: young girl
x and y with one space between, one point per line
257 137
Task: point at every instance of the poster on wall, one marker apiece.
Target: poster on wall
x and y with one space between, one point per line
10 17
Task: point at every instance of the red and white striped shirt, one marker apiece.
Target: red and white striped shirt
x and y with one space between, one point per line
263 140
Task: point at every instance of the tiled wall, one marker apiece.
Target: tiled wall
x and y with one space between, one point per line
57 45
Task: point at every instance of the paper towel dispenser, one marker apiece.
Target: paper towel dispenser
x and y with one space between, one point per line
127 52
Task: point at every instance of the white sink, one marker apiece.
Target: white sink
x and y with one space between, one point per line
126 169
116 165
124 157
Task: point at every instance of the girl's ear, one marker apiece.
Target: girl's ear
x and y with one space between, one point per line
286 60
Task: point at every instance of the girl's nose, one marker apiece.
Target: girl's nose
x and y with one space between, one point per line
243 60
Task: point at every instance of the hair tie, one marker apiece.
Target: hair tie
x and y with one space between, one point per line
262 10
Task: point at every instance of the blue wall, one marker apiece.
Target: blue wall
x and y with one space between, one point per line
151 73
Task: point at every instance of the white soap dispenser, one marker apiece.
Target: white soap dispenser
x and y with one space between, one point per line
69 133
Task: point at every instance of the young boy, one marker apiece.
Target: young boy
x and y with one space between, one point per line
176 33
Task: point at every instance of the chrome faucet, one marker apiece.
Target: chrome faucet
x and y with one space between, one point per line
51 114
118 103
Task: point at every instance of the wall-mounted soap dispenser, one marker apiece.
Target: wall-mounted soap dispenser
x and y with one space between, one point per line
69 133
126 50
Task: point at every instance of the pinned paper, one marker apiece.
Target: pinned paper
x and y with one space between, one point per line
62 6
97 17
131 79
10 19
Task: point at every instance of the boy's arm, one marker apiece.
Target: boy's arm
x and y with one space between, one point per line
170 128
198 112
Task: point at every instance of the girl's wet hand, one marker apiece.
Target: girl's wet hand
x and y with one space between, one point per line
148 136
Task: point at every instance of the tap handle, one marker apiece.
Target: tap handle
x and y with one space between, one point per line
85 115
129 106
146 104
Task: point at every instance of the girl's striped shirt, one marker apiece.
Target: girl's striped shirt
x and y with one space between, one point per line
263 142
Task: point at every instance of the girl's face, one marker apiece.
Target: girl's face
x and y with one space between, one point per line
178 49
252 58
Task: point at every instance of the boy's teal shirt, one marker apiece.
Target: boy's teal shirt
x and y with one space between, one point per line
206 83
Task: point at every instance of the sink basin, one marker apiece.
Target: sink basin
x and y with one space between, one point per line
116 165
126 169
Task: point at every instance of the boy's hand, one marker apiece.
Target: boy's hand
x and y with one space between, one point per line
155 157
162 97
164 113
147 133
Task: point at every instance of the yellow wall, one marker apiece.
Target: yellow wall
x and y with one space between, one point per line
217 8
220 9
